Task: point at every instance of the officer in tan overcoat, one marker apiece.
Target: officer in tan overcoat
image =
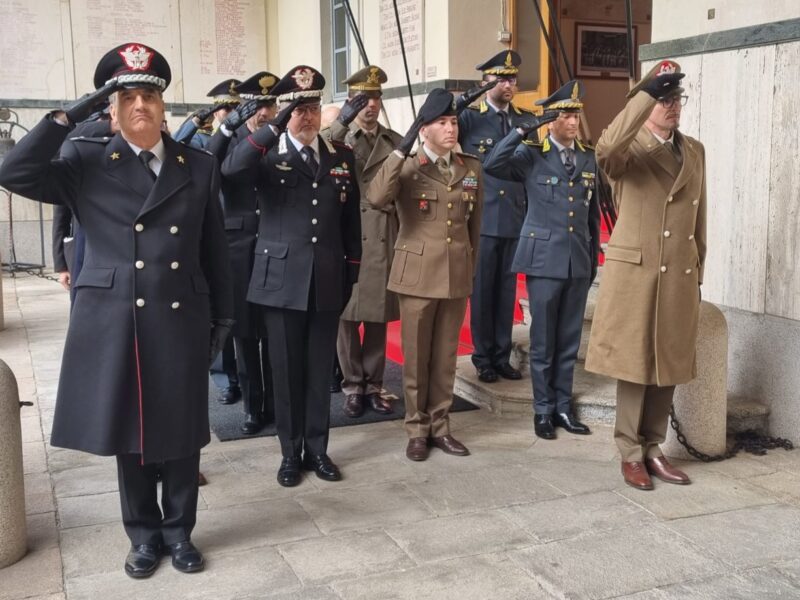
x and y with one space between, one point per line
362 360
438 196
645 324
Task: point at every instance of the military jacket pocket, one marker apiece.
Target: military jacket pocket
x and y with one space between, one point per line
407 263
234 223
545 187
424 204
269 265
101 277
624 254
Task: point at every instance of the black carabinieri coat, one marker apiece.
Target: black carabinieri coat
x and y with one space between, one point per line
134 376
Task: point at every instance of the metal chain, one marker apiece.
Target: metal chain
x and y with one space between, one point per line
750 441
15 268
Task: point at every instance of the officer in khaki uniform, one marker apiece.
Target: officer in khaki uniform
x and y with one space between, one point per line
438 195
645 325
362 361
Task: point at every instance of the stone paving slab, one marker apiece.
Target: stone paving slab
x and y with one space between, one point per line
472 578
746 538
86 481
575 516
758 584
614 563
709 493
230 576
344 556
783 485
462 535
570 476
38 494
366 507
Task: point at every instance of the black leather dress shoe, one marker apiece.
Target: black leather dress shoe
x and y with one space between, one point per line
289 474
508 372
487 374
543 427
252 424
380 405
323 466
570 423
142 560
230 395
185 557
353 405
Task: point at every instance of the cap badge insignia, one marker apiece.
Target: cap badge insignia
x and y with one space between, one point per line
137 57
509 61
265 83
232 87
666 67
304 78
115 156
181 159
574 95
373 76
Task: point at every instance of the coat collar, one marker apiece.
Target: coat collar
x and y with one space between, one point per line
661 158
174 175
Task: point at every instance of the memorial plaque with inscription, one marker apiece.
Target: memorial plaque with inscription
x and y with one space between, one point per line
410 12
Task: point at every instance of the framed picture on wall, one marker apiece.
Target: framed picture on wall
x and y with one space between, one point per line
602 50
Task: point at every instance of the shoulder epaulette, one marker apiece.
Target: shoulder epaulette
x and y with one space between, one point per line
583 145
195 148
532 143
468 155
344 145
96 140
521 110
473 107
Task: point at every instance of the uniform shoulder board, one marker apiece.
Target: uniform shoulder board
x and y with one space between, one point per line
195 148
532 143
521 110
584 145
95 140
341 144
468 155
474 107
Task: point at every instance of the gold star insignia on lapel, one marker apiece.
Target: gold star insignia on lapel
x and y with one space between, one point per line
181 159
115 156
344 165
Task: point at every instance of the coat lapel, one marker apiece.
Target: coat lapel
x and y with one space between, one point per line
173 176
428 168
657 153
123 164
689 162
457 167
327 158
382 148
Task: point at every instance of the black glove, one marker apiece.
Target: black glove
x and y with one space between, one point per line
203 113
84 106
411 137
99 112
535 122
220 329
662 85
472 94
281 120
351 108
238 117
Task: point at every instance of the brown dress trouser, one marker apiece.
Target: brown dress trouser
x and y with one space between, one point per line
362 361
642 419
429 328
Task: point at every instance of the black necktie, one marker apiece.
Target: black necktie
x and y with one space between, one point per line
310 160
569 161
145 156
503 122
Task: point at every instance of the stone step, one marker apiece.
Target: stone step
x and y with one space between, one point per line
746 413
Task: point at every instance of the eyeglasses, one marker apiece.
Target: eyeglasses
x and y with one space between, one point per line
670 102
303 109
506 79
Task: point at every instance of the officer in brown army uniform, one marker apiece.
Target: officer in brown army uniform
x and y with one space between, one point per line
363 361
438 196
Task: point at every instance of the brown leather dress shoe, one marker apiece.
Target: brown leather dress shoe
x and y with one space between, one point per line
635 475
659 467
417 448
201 480
380 405
353 405
450 445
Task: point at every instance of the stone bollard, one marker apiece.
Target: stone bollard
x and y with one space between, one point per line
702 405
13 528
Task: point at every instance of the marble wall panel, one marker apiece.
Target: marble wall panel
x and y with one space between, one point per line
783 275
736 129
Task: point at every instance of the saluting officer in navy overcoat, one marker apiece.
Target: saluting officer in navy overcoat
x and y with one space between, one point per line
558 249
199 127
306 260
492 302
240 207
152 300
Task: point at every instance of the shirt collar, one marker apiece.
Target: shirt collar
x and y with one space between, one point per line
299 145
433 156
671 137
159 151
500 110
561 147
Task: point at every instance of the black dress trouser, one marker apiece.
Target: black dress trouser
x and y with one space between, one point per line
147 523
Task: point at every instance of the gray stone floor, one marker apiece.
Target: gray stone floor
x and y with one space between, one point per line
520 518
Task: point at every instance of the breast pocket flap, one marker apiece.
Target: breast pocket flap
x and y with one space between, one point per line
628 255
413 246
101 277
272 249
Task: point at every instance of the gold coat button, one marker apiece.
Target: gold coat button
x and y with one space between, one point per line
423 195
669 199
663 269
449 240
688 271
139 264
571 184
502 192
174 230
571 199
667 233
694 202
571 228
691 237
571 213
139 227
174 265
140 302
449 222
175 305
449 188
449 205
